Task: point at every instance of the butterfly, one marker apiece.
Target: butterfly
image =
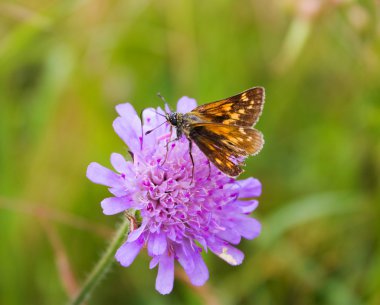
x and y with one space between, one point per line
223 130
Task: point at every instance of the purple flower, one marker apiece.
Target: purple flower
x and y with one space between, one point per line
178 218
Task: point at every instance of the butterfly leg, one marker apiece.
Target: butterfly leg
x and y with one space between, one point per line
209 169
142 131
192 160
167 144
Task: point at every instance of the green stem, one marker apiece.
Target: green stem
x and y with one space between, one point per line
102 266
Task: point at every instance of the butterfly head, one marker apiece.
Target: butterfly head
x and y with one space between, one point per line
173 118
177 120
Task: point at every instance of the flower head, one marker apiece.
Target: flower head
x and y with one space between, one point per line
179 217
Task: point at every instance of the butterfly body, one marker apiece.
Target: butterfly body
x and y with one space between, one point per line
182 122
223 130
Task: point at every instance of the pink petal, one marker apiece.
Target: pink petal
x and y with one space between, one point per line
151 121
102 175
247 227
247 206
193 264
199 274
249 188
230 235
127 133
226 252
154 262
120 164
136 233
184 259
126 110
114 205
186 104
126 254
157 244
165 275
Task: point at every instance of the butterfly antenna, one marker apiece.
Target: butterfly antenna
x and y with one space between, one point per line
159 113
163 99
149 131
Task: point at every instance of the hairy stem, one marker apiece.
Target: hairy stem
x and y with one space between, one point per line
102 266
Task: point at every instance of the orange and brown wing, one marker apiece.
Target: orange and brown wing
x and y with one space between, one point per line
243 109
226 146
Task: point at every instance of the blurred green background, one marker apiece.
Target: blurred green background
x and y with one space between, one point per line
64 65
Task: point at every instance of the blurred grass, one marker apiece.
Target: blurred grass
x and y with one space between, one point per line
64 65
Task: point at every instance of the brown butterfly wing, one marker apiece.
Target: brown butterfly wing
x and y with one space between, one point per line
226 146
243 109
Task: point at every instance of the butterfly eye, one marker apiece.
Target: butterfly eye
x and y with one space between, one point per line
173 119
